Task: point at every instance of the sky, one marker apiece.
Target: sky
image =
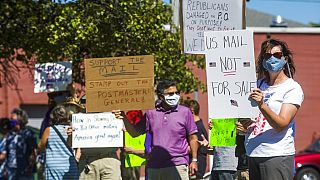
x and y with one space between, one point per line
303 11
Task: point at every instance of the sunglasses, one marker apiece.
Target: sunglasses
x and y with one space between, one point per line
172 93
276 54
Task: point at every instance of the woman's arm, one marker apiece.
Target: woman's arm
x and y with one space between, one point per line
137 152
281 121
78 154
3 156
44 140
278 122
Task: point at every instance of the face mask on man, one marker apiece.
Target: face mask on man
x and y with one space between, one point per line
172 100
273 64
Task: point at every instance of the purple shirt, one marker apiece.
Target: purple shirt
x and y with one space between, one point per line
169 132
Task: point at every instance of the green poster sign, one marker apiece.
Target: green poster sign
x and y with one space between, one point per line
138 144
223 132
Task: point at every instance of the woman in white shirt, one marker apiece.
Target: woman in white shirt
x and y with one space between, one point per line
270 138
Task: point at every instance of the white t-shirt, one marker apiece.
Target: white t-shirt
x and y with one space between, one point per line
264 141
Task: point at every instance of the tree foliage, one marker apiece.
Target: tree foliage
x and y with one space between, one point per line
313 24
49 31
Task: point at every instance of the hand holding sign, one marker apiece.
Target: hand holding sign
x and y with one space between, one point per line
204 142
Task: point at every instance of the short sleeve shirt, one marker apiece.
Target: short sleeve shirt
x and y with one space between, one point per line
169 131
2 150
263 140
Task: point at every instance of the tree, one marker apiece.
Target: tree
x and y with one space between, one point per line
313 24
73 30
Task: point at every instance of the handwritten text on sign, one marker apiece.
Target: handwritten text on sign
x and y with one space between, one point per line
96 130
124 83
223 132
231 74
50 77
208 15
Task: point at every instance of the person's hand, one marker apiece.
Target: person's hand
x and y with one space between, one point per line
243 124
118 114
204 142
69 130
258 96
240 128
210 125
193 168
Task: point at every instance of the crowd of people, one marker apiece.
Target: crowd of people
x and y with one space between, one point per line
176 144
18 147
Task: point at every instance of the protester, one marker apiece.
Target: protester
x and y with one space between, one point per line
242 167
100 163
224 164
270 138
131 173
20 147
202 151
44 124
60 159
171 127
5 128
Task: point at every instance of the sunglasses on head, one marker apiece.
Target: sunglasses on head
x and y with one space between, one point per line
172 93
276 54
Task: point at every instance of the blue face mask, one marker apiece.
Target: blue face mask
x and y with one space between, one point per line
13 122
273 64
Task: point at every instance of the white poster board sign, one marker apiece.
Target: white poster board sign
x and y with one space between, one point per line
208 15
231 74
50 77
96 130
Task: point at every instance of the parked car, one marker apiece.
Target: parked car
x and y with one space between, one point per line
308 162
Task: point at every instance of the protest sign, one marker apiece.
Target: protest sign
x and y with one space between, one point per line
96 130
208 15
223 132
137 143
51 77
124 83
231 74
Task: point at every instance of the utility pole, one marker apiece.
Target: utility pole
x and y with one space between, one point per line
176 12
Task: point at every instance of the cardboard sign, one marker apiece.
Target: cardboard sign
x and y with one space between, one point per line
51 77
231 74
96 130
208 15
137 143
223 132
124 83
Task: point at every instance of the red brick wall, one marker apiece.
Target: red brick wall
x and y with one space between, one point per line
11 97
